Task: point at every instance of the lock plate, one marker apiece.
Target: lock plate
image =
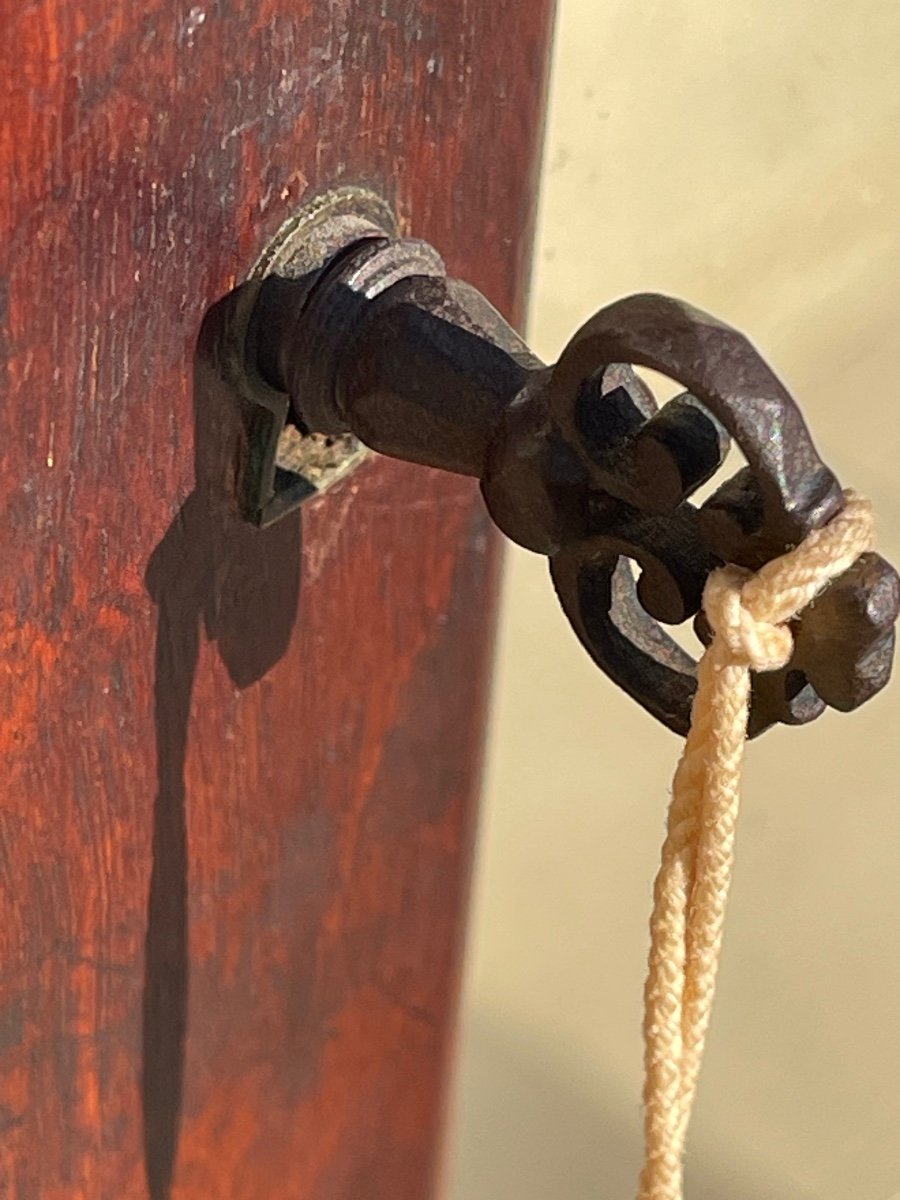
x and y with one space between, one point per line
282 464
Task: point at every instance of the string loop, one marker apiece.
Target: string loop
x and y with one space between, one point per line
758 644
748 614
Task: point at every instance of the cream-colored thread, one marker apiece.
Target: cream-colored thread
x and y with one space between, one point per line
748 615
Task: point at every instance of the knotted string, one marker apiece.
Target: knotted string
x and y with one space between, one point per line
748 615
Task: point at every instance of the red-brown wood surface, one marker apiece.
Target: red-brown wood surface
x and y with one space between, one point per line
238 767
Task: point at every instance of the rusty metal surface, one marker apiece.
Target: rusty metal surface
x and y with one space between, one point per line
578 461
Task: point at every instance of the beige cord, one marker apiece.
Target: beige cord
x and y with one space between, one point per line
748 615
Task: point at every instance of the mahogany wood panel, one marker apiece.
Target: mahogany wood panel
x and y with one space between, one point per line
239 767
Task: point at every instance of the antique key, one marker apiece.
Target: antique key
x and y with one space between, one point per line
353 334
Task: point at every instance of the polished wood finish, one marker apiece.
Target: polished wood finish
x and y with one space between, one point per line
239 766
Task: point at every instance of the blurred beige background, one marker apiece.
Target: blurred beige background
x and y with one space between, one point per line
745 157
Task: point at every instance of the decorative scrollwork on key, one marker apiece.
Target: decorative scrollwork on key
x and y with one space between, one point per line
843 644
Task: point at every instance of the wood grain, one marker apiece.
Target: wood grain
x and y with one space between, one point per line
239 766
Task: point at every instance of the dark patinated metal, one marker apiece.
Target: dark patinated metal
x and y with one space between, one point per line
578 462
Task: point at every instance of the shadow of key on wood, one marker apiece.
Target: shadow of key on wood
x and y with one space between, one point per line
217 576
